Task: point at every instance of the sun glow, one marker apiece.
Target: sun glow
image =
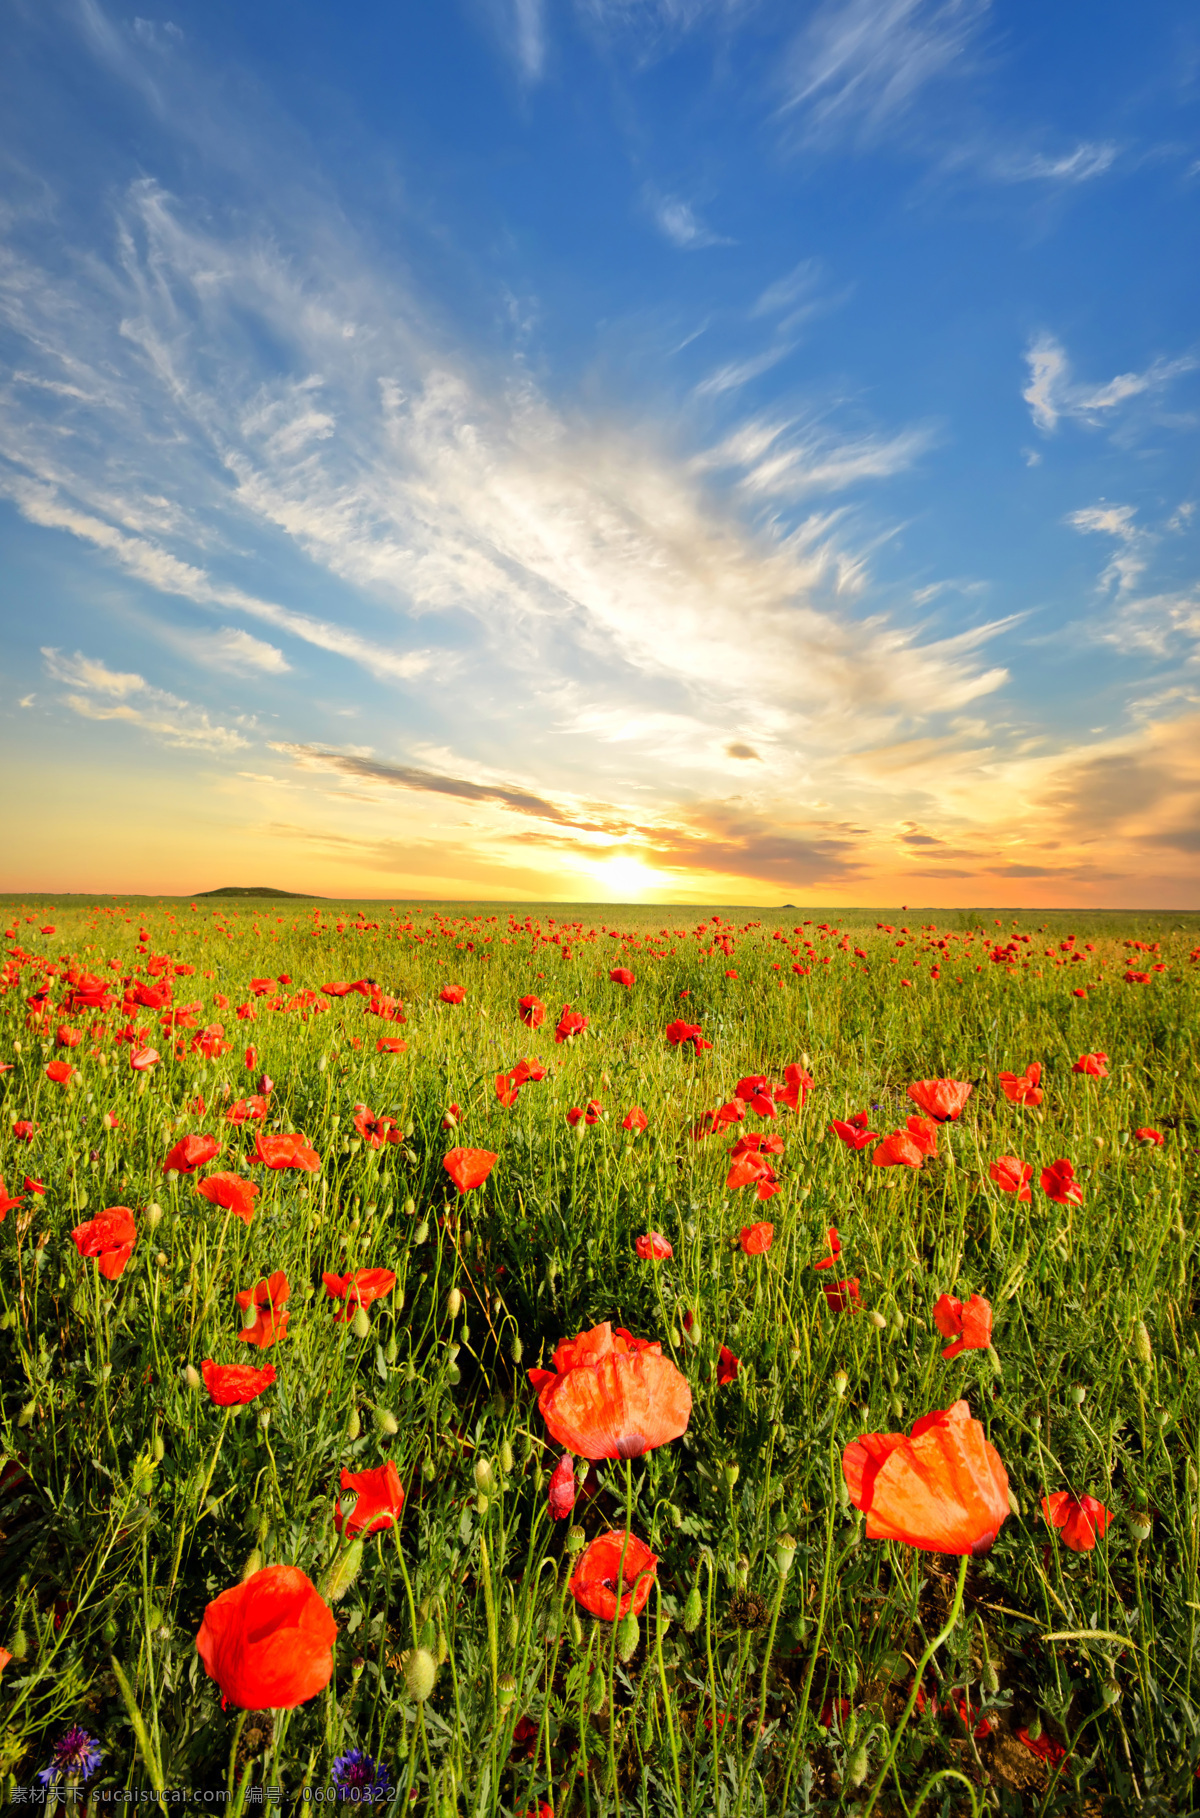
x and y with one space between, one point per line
625 878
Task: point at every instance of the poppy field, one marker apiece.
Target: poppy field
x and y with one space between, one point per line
525 1362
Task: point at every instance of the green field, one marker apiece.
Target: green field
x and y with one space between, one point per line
757 1678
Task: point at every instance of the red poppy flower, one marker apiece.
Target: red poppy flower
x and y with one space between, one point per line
23 1130
1044 1747
452 994
231 1192
570 1023
390 1044
727 1366
1136 978
532 1012
6 1203
968 1322
835 1250
360 1289
635 1119
842 1296
621 975
680 1034
855 1131
528 1072
1012 1175
1023 1088
758 1142
65 1037
1080 1519
380 1499
190 1153
247 1110
450 1120
230 1385
898 1151
561 1494
273 1292
942 1099
1153 1137
469 1168
34 1186
1094 1065
60 1072
611 1395
755 1092
376 1131
616 1565
291 1151
943 1490
110 1238
1060 1185
653 1247
267 1328
751 1167
507 1089
142 1059
756 1239
794 1089
268 1643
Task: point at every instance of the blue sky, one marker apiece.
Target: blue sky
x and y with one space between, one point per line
616 449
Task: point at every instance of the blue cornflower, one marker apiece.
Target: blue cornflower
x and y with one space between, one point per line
75 1755
360 1776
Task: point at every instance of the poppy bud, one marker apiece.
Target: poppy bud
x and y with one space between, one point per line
507 1461
253 1564
516 1349
856 1767
343 1572
454 1301
576 1540
429 1470
506 1690
353 1425
153 1215
361 1323
576 1629
581 1471
1141 1344
191 1377
628 1636
421 1232
785 1553
1078 1394
390 1349
420 1671
879 1319
989 1678
387 1423
485 1477
1034 1730
158 1448
1014 1506
732 1472
994 1360
692 1611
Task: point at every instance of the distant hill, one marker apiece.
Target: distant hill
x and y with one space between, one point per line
298 896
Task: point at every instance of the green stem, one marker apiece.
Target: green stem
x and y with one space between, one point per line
926 1657
145 1748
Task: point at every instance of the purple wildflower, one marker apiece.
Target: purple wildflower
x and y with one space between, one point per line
360 1776
74 1757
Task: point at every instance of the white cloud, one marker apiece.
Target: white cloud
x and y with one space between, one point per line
237 651
859 65
736 373
130 699
1128 562
529 37
1052 394
681 225
792 459
1088 160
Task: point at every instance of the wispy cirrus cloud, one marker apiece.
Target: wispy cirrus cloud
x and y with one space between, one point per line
679 223
858 66
1088 160
97 692
1052 394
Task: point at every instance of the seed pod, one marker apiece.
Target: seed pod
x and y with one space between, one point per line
576 1541
856 1767
506 1690
841 1382
628 1636
785 1553
420 1671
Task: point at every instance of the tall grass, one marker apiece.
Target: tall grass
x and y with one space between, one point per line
761 1680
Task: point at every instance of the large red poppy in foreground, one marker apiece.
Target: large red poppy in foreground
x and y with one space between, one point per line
943 1489
942 1099
268 1643
611 1395
109 1237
